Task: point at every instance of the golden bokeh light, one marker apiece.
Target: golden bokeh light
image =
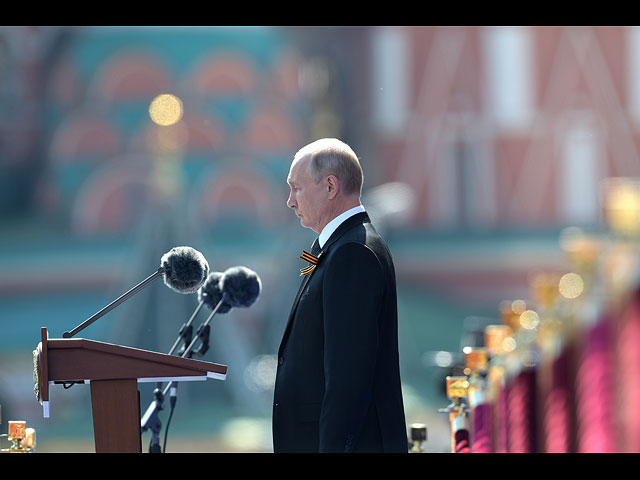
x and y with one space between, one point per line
571 285
622 204
529 319
166 109
518 306
509 344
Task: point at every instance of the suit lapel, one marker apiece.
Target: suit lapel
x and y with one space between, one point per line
305 280
348 224
357 219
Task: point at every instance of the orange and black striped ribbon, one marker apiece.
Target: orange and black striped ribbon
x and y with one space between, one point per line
313 261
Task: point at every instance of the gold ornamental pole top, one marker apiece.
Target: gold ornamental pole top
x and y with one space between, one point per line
17 429
457 388
22 439
621 205
544 288
510 313
498 339
418 437
476 360
457 392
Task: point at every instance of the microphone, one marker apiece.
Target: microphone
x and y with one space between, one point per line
235 287
183 269
209 294
240 286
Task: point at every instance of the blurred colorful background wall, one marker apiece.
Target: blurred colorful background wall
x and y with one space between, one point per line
480 146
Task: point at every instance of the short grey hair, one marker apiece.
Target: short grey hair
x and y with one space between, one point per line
330 156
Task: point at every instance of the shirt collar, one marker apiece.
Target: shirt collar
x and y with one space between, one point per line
335 223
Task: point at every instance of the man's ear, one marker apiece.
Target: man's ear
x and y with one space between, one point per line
333 186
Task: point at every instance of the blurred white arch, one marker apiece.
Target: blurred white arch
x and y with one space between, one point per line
88 208
85 132
213 193
132 74
225 72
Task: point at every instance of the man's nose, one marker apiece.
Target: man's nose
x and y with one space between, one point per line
291 201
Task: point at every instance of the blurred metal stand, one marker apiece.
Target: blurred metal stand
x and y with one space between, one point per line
457 392
480 415
521 378
498 339
150 419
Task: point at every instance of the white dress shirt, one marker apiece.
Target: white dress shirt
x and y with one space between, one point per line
336 222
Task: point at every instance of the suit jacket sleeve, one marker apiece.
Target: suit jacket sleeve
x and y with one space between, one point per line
353 292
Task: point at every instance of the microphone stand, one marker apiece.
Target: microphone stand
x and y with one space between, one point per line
150 420
115 303
457 392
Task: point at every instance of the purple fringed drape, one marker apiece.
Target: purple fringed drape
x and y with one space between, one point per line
594 393
558 414
521 413
626 366
461 438
500 444
481 428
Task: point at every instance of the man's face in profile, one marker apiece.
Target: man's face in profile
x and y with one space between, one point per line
307 198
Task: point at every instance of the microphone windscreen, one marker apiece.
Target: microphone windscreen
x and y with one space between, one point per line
185 269
241 285
211 293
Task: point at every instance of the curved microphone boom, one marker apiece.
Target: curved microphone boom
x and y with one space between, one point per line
184 270
235 287
208 294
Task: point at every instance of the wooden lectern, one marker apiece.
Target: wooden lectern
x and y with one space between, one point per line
113 372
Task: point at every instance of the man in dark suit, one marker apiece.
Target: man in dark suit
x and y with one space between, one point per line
338 379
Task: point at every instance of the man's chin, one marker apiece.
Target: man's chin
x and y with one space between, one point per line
303 224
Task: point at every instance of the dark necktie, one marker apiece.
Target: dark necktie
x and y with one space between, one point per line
313 258
315 247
